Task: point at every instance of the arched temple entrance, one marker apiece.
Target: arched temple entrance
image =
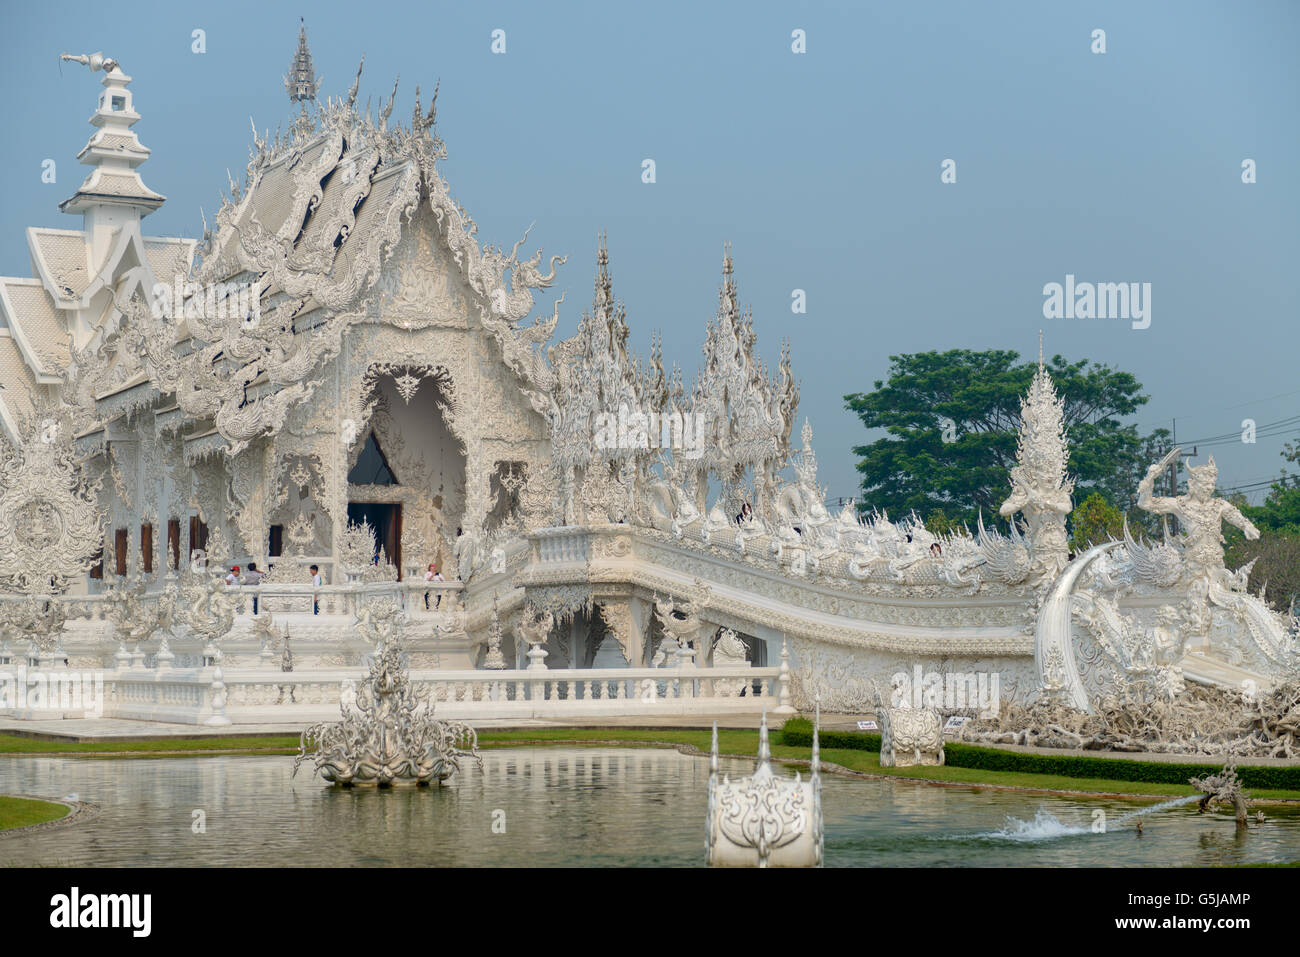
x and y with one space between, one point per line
407 476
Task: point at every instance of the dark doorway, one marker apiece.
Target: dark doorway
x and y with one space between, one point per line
386 519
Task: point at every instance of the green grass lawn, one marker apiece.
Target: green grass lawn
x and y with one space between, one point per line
20 812
278 744
738 742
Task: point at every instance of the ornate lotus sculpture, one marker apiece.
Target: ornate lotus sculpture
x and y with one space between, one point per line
388 735
764 820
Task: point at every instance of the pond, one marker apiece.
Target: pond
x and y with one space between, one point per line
598 807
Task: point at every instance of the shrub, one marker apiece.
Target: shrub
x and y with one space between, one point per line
797 732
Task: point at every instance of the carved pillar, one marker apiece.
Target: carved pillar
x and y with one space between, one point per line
478 474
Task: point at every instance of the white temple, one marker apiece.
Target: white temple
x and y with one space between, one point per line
341 375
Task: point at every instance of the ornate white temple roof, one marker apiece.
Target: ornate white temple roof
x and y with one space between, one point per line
77 274
115 144
17 381
30 315
59 257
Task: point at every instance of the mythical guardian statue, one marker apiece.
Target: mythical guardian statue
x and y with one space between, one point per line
1201 514
1040 488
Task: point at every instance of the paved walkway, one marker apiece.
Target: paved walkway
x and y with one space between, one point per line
121 729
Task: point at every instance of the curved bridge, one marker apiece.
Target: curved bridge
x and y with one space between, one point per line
842 633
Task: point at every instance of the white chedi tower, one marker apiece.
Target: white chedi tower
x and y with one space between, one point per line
1040 488
112 198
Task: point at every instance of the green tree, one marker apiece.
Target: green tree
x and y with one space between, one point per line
1093 521
1281 508
1277 551
1276 554
938 523
950 421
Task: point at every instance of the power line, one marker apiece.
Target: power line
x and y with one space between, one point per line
1281 425
1239 405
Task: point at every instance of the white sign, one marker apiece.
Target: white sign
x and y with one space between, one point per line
868 726
956 721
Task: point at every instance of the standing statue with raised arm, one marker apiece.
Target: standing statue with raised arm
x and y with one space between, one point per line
1200 513
1252 635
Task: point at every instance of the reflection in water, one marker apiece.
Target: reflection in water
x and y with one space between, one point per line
577 806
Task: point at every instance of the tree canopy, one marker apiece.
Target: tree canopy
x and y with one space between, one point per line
1277 551
951 418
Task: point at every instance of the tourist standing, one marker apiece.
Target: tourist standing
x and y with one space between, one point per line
253 577
316 582
433 575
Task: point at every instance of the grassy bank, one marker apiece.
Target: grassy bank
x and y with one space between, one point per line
22 812
275 744
1097 765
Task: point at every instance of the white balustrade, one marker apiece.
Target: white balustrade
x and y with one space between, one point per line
267 696
563 545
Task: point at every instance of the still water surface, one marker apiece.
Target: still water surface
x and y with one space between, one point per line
598 807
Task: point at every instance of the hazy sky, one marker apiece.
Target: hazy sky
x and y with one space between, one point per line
823 169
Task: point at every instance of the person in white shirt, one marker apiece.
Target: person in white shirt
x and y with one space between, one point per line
233 577
316 582
433 575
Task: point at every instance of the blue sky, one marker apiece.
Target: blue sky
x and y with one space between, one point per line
823 169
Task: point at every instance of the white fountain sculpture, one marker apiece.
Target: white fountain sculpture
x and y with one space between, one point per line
388 735
1222 788
764 820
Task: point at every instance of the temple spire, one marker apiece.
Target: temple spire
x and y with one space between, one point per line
727 295
301 83
604 285
113 193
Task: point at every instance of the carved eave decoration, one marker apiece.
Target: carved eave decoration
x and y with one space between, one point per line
208 445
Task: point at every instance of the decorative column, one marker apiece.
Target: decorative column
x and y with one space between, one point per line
785 707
